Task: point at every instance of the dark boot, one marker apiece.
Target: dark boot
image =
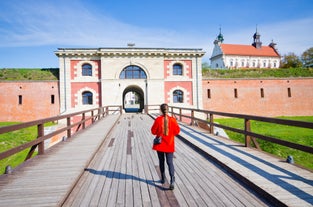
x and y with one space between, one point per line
172 183
162 178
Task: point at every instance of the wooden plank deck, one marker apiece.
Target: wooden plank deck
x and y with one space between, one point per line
124 172
283 183
46 179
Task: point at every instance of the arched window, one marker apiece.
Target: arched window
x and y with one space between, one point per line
178 96
133 72
177 69
86 70
87 98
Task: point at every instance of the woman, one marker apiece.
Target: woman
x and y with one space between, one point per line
166 128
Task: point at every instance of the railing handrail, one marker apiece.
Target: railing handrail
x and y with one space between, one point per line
39 141
103 111
249 135
256 118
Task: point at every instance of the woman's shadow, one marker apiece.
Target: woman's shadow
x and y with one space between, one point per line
123 176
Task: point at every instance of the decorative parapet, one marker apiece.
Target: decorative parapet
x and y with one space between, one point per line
145 52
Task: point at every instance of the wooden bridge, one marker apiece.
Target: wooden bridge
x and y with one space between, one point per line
111 163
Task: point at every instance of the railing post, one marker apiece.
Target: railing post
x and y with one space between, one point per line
41 133
99 114
146 109
211 124
69 130
107 110
192 117
84 120
92 118
180 119
121 110
247 137
103 111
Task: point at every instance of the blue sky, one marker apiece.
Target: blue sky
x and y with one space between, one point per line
31 30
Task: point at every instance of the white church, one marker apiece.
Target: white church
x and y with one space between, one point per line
236 56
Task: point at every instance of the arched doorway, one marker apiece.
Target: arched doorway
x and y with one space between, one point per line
133 99
133 95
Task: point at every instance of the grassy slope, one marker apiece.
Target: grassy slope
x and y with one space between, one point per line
14 139
29 74
258 73
293 134
53 73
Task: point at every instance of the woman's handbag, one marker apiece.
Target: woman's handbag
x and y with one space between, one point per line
157 140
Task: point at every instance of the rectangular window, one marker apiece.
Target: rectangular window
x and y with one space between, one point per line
262 93
289 92
235 93
52 99
209 93
20 99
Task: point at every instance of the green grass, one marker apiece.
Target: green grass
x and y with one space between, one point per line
293 134
258 73
14 139
29 74
15 74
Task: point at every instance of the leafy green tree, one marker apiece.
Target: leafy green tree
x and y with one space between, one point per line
307 57
291 60
205 66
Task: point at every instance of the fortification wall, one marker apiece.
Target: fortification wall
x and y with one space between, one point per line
262 97
22 101
30 100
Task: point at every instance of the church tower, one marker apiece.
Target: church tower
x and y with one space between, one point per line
219 38
256 40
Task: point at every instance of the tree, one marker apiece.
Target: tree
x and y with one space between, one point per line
307 57
205 66
291 60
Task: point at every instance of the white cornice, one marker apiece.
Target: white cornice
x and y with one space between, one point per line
117 52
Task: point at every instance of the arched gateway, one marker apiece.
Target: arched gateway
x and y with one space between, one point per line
133 99
129 77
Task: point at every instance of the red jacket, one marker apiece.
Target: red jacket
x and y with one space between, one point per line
168 143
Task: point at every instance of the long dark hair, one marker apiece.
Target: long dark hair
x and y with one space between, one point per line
164 108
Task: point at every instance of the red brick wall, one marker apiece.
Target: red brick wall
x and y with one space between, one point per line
36 100
275 101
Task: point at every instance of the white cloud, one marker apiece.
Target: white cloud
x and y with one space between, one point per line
44 24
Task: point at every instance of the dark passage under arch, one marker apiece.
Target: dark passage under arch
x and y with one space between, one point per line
133 99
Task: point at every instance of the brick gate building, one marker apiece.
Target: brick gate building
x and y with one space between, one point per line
131 77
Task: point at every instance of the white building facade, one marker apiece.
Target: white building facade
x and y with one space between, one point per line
94 77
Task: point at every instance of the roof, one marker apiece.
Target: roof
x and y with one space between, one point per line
248 50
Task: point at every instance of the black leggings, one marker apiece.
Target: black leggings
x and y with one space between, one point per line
169 161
